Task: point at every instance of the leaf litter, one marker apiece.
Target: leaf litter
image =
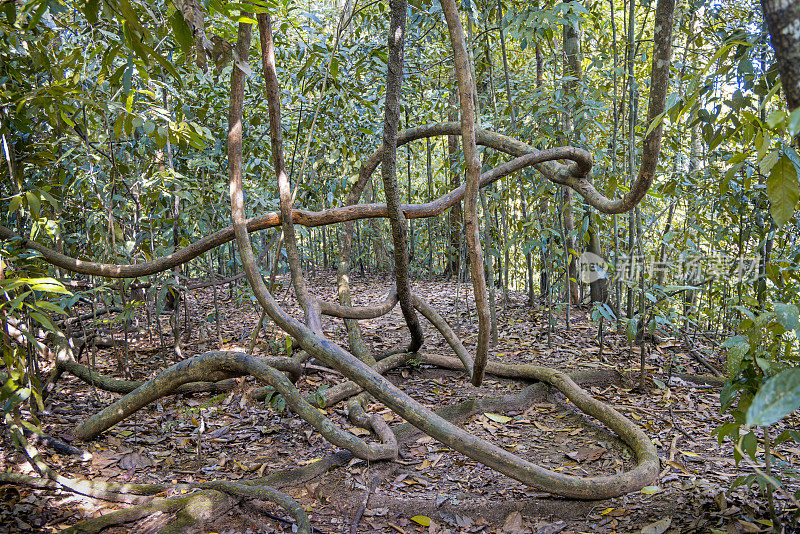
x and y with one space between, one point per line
430 488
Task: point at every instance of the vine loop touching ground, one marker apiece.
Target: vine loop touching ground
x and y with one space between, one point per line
361 375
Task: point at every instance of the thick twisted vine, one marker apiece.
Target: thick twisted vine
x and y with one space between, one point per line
466 89
527 156
394 84
207 504
306 300
574 174
194 369
411 410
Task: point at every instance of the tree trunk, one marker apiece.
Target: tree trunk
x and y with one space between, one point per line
569 245
379 246
599 285
394 81
454 264
505 62
528 262
466 88
429 222
574 73
487 242
783 22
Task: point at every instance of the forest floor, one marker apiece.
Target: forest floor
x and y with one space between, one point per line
244 439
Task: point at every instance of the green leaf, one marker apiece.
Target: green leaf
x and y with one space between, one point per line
118 125
422 520
776 118
34 204
10 9
788 316
44 321
181 31
49 198
47 284
777 397
49 306
161 60
17 302
794 122
90 9
736 354
14 203
656 122
750 444
763 143
37 15
630 331
783 190
131 17
769 161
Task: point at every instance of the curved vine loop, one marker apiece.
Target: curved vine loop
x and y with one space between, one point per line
575 174
408 408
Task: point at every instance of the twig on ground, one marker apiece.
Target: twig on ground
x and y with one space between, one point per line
373 482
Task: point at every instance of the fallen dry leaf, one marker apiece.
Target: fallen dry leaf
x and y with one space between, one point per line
659 527
514 524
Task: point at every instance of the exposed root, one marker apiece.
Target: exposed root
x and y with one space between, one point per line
196 368
456 438
129 493
346 389
365 312
176 514
188 510
179 513
115 385
357 416
57 445
701 380
647 463
441 325
265 493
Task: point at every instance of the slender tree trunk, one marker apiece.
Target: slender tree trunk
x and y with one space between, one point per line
565 243
598 287
544 273
466 85
429 222
454 266
506 252
528 262
571 285
412 241
662 255
574 74
379 246
614 169
307 301
505 63
487 242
